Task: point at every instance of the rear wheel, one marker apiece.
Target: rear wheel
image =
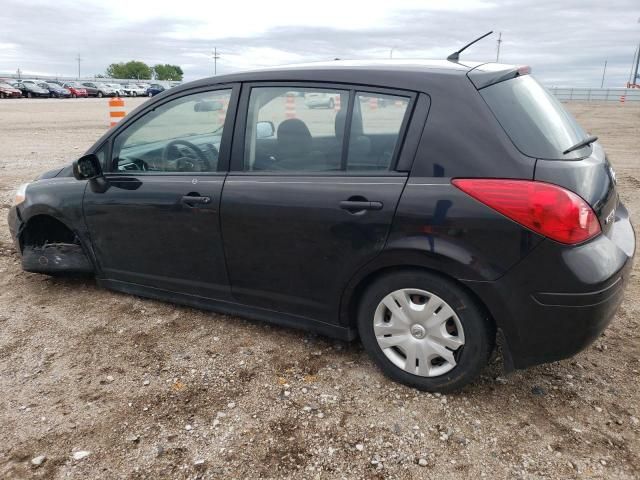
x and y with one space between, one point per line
424 330
29 95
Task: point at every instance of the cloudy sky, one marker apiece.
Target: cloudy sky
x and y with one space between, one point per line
565 41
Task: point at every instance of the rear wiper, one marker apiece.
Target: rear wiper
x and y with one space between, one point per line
582 143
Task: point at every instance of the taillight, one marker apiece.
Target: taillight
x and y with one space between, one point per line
547 209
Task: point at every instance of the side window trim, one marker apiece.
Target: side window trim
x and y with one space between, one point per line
346 140
225 142
236 166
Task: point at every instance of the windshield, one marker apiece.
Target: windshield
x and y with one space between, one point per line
534 119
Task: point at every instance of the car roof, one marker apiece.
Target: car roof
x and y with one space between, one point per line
393 73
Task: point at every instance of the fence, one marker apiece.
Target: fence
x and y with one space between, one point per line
596 94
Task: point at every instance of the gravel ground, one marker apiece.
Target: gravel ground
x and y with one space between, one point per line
103 385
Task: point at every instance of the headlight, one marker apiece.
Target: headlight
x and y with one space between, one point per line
21 194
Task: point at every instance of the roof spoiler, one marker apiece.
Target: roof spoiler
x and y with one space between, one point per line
491 73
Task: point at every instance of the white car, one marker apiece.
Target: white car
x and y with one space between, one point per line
320 99
116 88
134 90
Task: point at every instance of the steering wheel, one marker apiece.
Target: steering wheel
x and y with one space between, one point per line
184 161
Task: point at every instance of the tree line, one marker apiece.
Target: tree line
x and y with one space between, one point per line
141 71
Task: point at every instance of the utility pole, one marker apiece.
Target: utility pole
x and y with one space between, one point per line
215 60
19 72
391 52
634 75
79 60
499 41
604 70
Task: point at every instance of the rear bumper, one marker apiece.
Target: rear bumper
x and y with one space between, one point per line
559 299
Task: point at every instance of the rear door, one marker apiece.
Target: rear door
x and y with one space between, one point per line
157 224
311 194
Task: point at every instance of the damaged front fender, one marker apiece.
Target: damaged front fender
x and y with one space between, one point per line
55 258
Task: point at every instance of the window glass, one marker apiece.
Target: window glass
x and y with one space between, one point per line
182 135
295 129
534 119
375 128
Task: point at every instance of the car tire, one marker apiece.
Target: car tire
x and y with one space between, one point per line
99 94
134 94
29 95
2 95
459 322
73 95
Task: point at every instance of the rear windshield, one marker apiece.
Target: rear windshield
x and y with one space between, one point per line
536 122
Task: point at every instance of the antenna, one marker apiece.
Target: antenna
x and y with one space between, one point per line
456 55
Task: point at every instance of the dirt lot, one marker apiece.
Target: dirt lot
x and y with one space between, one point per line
156 390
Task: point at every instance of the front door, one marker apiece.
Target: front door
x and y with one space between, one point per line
311 195
157 224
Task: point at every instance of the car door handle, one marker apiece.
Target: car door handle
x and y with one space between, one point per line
359 205
195 200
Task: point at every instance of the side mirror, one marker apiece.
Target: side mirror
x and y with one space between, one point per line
265 129
87 167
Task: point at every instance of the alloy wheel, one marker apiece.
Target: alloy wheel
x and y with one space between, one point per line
418 332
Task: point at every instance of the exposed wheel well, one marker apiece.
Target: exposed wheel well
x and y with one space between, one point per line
354 301
43 229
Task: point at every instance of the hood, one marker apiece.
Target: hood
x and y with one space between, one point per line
51 173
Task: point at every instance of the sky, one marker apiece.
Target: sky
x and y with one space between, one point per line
566 42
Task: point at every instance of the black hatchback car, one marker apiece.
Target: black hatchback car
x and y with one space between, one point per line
472 205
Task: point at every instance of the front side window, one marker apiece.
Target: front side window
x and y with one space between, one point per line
182 135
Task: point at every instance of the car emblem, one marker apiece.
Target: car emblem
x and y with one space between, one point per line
610 217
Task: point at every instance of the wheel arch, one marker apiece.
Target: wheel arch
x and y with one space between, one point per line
391 262
44 226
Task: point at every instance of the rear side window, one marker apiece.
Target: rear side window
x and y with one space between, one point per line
295 129
534 119
305 129
375 130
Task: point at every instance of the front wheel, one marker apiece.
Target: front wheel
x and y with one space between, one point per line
100 95
425 331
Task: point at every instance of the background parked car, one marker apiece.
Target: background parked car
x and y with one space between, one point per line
116 88
134 90
55 90
8 91
76 89
30 89
99 90
155 89
320 99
